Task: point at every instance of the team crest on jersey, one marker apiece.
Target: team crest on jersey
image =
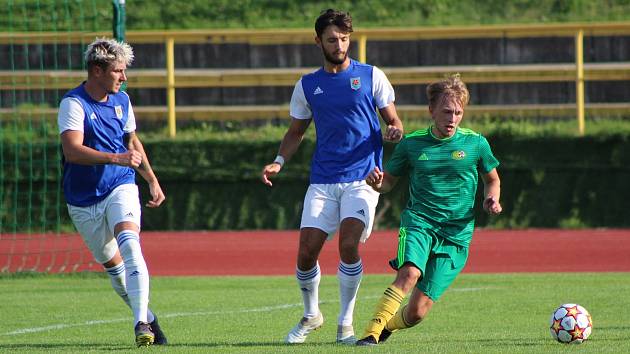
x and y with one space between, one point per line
458 155
118 110
355 83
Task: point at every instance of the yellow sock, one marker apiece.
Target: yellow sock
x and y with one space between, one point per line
398 321
385 310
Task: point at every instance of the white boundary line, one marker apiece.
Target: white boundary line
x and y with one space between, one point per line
186 314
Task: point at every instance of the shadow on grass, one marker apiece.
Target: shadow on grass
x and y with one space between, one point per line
493 342
114 347
252 344
63 346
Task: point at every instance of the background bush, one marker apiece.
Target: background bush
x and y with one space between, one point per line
213 184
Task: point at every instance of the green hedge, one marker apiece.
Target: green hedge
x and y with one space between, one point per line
546 182
214 185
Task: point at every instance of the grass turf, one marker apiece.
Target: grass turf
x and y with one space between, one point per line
480 313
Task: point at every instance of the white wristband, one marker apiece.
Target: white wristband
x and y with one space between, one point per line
279 160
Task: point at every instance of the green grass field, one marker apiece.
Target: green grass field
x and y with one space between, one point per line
480 313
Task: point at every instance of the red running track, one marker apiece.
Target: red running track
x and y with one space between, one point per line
274 252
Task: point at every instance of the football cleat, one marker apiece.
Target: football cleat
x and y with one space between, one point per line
303 328
367 341
345 335
160 338
384 335
144 334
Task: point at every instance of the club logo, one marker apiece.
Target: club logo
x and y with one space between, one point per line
118 111
355 83
458 155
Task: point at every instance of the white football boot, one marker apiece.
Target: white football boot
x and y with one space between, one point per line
345 335
303 328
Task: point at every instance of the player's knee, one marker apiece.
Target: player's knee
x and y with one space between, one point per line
416 314
307 256
407 277
129 246
351 226
306 260
349 252
126 226
414 319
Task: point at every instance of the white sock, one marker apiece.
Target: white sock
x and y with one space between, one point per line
137 274
308 280
117 277
349 276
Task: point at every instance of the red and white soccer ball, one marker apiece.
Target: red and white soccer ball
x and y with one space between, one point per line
571 323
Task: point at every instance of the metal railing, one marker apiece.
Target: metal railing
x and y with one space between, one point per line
171 78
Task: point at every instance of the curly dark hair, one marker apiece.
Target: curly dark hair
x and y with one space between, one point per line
330 17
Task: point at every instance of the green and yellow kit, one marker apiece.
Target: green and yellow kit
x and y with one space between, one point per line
437 224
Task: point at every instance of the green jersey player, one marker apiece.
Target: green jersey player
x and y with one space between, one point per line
443 163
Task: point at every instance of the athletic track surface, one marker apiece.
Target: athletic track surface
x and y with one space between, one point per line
274 252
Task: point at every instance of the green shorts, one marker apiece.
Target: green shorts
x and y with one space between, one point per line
439 259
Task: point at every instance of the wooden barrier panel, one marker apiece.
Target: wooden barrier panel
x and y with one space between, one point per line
302 35
169 78
266 112
157 78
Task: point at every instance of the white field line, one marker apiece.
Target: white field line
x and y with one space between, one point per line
185 314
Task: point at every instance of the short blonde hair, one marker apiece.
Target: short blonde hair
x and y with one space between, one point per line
451 86
106 51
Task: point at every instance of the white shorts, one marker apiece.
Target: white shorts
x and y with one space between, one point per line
96 222
326 205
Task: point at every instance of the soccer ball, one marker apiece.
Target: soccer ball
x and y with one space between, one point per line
571 323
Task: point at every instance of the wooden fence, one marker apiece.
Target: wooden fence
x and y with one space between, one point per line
171 79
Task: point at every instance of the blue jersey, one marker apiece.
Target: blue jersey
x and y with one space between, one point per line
349 139
103 130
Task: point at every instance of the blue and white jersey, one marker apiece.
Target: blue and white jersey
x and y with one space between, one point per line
343 108
103 125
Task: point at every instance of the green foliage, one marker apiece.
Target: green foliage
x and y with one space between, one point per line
503 126
74 15
213 184
479 313
55 15
546 182
366 13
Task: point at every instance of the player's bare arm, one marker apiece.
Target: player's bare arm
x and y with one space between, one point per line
381 181
289 145
394 130
491 192
75 152
145 170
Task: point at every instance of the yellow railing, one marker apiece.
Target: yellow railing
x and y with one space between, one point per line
171 78
155 78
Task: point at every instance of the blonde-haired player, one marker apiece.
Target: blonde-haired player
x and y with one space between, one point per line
102 154
443 163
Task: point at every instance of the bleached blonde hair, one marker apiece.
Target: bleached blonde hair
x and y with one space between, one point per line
106 51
